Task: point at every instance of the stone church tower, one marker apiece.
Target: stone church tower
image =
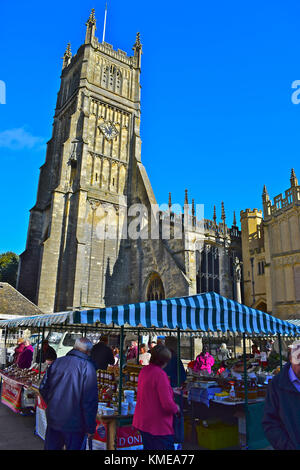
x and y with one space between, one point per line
92 174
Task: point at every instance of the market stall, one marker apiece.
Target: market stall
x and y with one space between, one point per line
204 314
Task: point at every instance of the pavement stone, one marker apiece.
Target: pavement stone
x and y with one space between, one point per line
17 432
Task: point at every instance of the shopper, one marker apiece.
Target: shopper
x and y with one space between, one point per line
18 350
116 353
204 361
25 358
255 351
171 368
50 356
224 353
102 355
155 406
132 351
45 351
282 405
144 357
151 346
69 389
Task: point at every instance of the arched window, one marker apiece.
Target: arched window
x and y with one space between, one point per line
112 78
155 289
208 277
262 306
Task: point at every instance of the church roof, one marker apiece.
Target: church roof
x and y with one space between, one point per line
13 303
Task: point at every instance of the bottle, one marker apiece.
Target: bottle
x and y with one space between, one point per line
232 392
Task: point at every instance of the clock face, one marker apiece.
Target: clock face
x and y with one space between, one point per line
109 130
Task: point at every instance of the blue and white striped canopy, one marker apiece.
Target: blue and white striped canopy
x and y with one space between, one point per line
203 312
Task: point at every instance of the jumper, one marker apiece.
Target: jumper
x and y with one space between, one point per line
204 362
155 406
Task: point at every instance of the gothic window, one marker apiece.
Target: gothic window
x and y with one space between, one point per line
208 279
262 306
155 289
261 267
297 281
112 78
118 81
105 76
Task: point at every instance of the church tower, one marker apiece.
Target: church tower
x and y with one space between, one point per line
87 179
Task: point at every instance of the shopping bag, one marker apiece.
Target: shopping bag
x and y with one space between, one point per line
87 443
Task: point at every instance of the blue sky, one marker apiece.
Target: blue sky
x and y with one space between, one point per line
217 114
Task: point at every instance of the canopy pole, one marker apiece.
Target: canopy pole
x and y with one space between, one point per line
280 349
6 334
191 349
138 346
41 351
245 384
121 367
178 357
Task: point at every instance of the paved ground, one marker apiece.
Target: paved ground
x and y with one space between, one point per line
17 432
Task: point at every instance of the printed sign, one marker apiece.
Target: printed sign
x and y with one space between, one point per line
11 394
128 438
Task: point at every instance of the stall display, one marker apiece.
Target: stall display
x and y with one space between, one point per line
17 390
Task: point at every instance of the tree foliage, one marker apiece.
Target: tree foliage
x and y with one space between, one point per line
9 263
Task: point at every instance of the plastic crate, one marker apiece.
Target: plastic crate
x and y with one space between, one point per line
217 436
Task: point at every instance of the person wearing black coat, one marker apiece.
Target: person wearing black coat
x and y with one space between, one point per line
69 389
171 368
280 421
102 355
45 352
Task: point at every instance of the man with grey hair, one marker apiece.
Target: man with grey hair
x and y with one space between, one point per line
69 389
282 405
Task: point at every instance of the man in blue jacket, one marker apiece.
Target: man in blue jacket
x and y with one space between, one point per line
281 422
70 392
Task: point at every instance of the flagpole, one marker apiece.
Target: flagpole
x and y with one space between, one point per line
104 22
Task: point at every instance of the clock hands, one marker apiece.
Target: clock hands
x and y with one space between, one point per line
109 130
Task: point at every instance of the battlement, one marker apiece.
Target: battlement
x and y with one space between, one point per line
119 55
257 213
282 203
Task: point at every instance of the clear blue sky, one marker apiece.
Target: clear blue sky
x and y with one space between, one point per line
217 114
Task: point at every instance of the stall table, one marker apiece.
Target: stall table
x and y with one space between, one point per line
15 393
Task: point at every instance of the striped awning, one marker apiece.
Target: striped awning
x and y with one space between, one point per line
207 312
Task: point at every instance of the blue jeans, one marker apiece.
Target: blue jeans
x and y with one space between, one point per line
151 442
56 440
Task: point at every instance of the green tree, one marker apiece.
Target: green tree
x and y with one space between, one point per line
9 263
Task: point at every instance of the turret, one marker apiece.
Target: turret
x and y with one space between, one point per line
90 28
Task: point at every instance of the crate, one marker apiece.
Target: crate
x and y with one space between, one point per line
217 436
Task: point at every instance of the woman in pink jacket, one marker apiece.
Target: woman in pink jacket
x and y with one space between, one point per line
155 406
25 358
204 361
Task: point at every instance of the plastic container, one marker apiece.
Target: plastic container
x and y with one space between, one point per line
129 395
131 407
124 408
217 436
